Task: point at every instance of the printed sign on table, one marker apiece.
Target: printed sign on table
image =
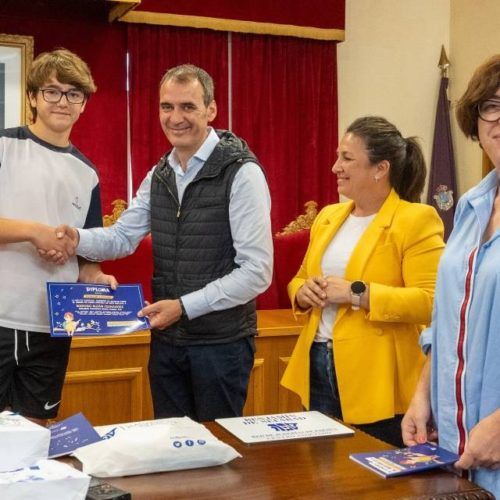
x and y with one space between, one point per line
79 309
282 426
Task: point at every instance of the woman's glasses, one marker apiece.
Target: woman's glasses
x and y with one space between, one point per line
489 110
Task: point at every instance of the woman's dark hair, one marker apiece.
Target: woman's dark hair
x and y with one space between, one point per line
484 83
383 141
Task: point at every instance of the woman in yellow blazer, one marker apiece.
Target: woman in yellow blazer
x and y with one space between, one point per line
367 284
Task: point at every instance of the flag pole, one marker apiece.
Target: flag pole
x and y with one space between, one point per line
442 191
444 63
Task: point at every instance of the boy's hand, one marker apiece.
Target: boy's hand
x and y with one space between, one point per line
52 245
66 237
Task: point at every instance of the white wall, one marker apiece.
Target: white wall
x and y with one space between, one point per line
388 63
475 36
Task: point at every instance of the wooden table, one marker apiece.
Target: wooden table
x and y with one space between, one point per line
306 469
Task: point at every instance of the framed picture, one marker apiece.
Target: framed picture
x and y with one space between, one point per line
16 55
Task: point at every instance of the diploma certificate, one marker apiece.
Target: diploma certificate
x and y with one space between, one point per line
83 309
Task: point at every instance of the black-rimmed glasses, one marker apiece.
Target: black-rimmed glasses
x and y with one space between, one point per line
489 110
73 96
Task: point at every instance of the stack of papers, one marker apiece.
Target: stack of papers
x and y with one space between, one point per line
25 471
22 441
44 479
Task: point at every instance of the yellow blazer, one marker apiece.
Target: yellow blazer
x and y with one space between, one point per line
377 355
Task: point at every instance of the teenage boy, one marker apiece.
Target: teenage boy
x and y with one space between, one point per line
44 181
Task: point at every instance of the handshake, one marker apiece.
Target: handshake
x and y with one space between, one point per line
57 244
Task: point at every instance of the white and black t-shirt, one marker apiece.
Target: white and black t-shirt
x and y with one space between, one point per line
47 184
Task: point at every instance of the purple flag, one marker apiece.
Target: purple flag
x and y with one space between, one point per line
442 193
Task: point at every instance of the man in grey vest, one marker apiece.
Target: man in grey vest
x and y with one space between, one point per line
207 206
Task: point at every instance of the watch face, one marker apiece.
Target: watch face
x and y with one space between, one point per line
358 287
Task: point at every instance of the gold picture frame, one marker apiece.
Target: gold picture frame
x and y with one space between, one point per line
16 56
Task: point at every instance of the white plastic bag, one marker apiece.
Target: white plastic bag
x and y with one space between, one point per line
153 446
47 479
22 442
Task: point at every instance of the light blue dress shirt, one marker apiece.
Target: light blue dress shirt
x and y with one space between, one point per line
249 218
465 331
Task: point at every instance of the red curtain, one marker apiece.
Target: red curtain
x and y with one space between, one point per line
284 97
317 13
100 132
153 50
285 106
289 118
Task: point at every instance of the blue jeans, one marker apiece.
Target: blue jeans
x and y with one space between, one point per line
203 382
324 395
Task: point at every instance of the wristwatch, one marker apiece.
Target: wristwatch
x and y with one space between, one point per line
358 288
183 309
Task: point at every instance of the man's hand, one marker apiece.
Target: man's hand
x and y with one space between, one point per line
312 293
55 245
483 446
64 230
162 313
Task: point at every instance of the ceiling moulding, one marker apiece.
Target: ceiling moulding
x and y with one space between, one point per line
120 7
129 15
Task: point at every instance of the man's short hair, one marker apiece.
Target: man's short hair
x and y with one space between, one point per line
66 66
189 72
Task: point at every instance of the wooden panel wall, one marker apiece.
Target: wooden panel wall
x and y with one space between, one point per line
107 377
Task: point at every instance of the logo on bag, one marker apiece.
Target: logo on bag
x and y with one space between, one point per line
188 442
110 433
